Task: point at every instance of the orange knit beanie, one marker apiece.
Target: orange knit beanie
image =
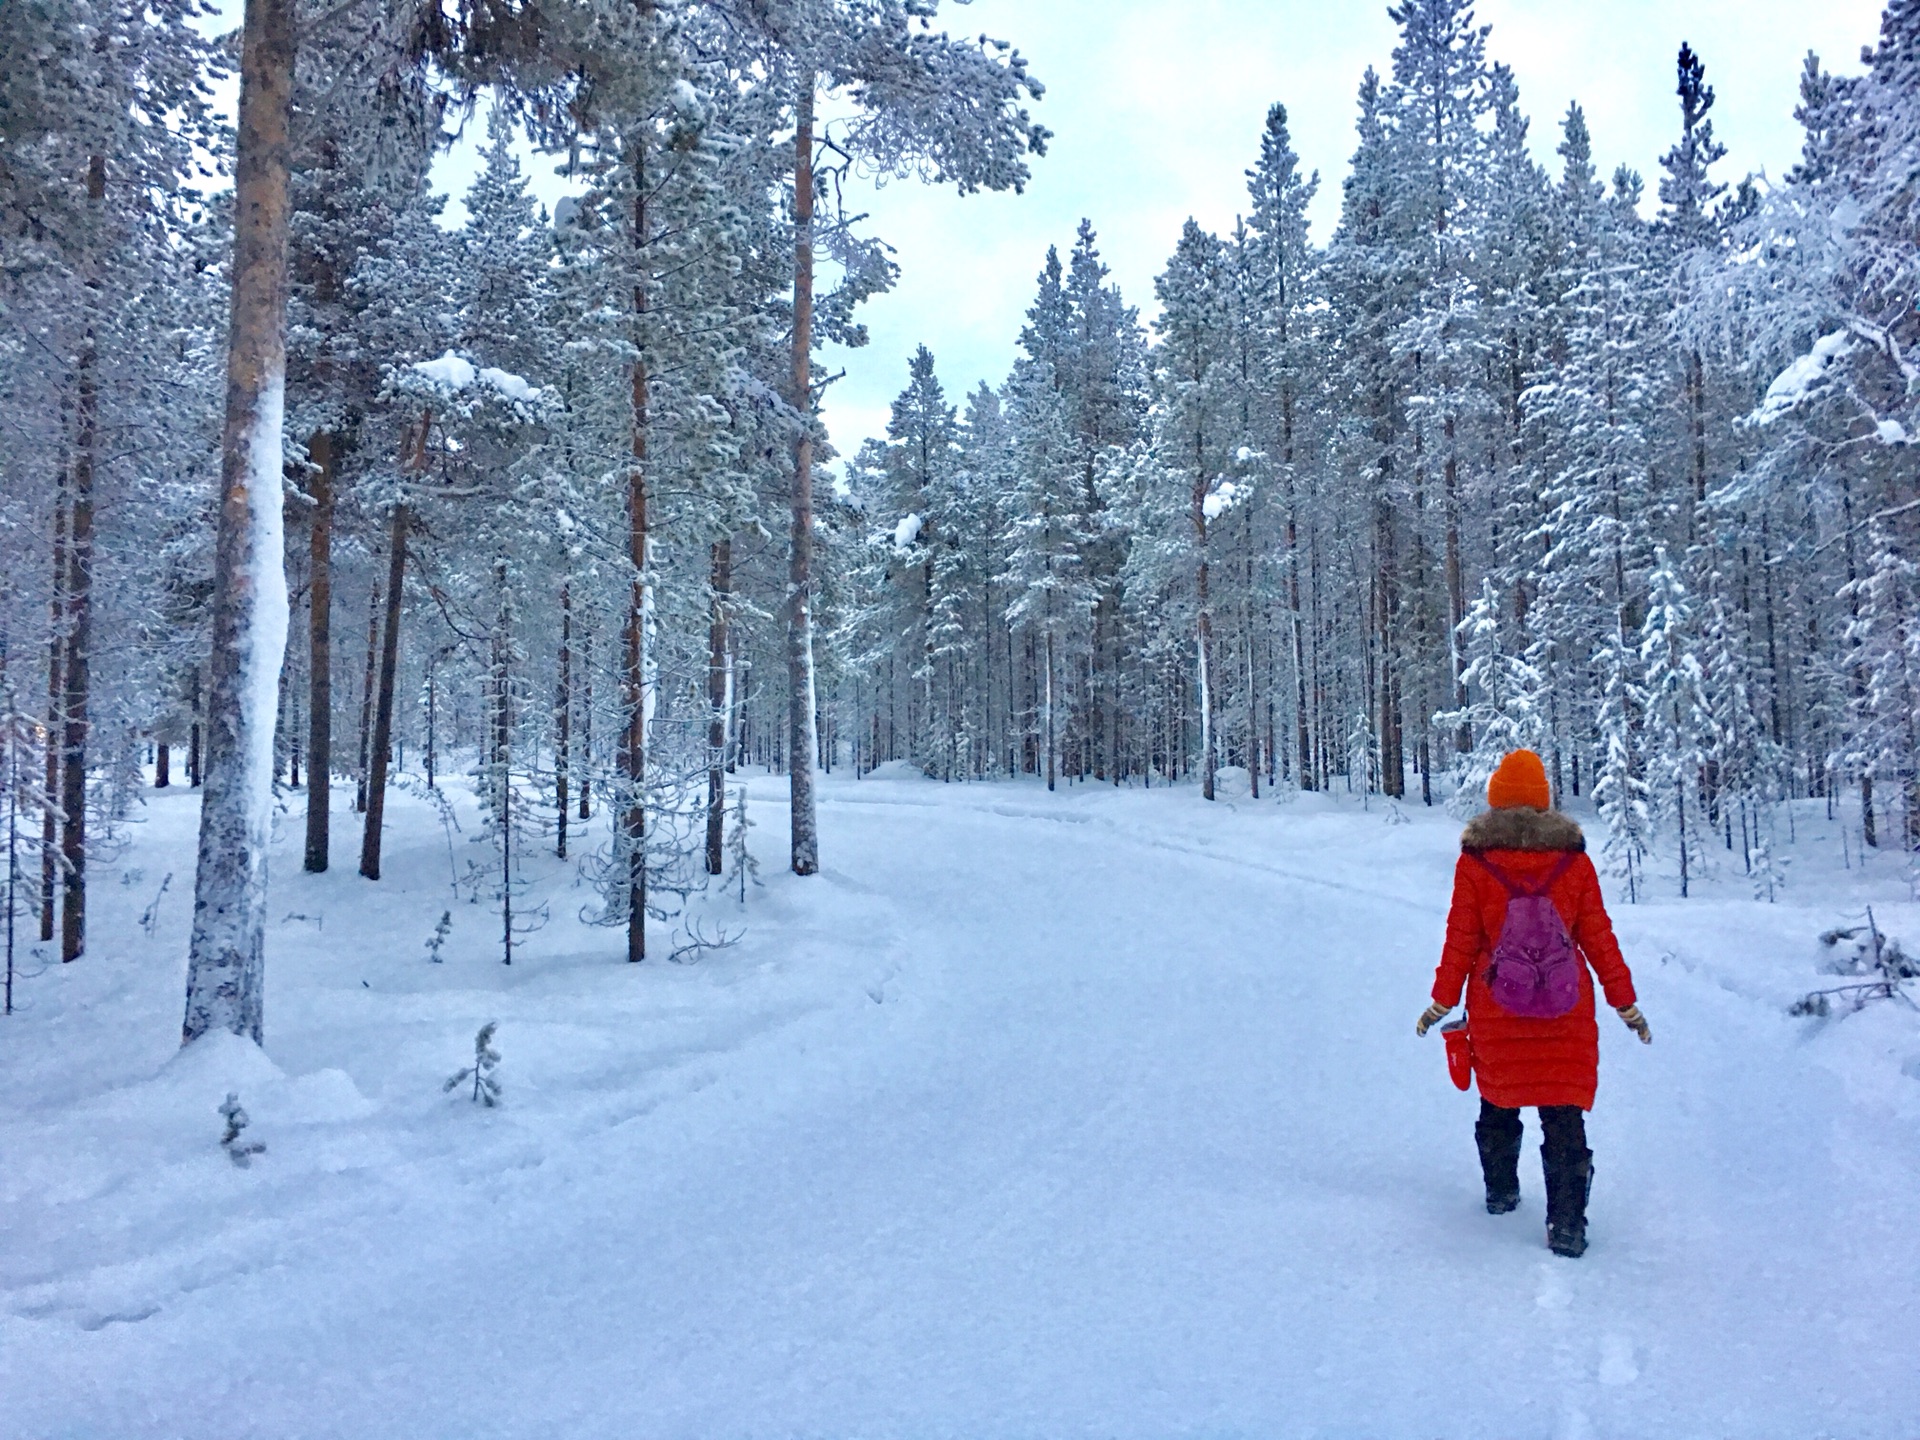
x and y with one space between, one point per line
1520 780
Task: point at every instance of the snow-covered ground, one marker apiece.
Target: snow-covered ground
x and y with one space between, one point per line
1091 1114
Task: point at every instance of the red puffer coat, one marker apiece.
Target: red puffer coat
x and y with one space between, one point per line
1518 1061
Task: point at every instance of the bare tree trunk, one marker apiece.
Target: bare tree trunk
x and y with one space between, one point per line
1049 699
322 452
56 691
1253 664
1203 634
586 724
432 738
563 721
1697 406
162 767
78 670
1392 760
633 670
801 709
1456 590
366 701
227 956
383 705
718 701
196 767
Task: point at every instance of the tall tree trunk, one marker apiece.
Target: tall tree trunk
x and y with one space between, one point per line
1392 761
801 710
718 701
56 692
196 761
585 811
1203 635
1697 411
1253 664
324 455
227 955
383 705
162 767
432 738
563 721
1049 698
633 669
78 669
1456 588
366 701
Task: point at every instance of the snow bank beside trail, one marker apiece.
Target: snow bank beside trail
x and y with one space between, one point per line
115 1194
896 770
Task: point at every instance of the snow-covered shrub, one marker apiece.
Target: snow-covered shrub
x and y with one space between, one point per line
486 1089
742 867
240 1151
439 936
1868 952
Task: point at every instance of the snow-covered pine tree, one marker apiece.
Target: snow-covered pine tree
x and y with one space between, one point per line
1195 441
1503 710
1678 716
1620 787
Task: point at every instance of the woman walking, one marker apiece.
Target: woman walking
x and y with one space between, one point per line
1527 922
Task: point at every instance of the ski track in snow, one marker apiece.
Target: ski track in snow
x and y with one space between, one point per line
1108 1127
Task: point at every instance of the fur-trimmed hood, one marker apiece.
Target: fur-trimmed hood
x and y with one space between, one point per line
1521 828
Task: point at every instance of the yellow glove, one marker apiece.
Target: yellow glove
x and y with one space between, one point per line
1631 1017
1433 1015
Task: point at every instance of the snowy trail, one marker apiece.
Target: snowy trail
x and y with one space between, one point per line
1127 1134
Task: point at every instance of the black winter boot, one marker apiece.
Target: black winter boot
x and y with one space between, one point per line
1497 1132
1569 1184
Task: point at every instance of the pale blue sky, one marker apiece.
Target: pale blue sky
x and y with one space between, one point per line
1157 107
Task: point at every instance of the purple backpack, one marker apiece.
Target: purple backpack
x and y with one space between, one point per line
1535 971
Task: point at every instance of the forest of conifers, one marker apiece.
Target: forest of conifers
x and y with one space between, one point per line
1616 467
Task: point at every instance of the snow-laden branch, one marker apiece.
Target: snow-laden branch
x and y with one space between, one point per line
455 382
1805 377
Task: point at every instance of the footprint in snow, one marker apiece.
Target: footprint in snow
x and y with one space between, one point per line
1617 1365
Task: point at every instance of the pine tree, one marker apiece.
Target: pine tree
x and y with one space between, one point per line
1620 787
1678 716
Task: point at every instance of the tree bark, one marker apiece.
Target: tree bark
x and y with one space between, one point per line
196 770
162 766
1203 634
366 702
718 703
383 705
323 452
227 955
801 709
78 669
563 721
586 724
56 691
1456 589
633 663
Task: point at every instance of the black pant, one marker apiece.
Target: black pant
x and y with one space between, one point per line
1563 1127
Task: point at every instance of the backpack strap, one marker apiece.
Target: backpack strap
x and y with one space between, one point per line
1515 891
1566 863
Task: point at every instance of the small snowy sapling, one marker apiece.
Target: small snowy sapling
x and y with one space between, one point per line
241 1152
745 867
486 1089
439 936
150 917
